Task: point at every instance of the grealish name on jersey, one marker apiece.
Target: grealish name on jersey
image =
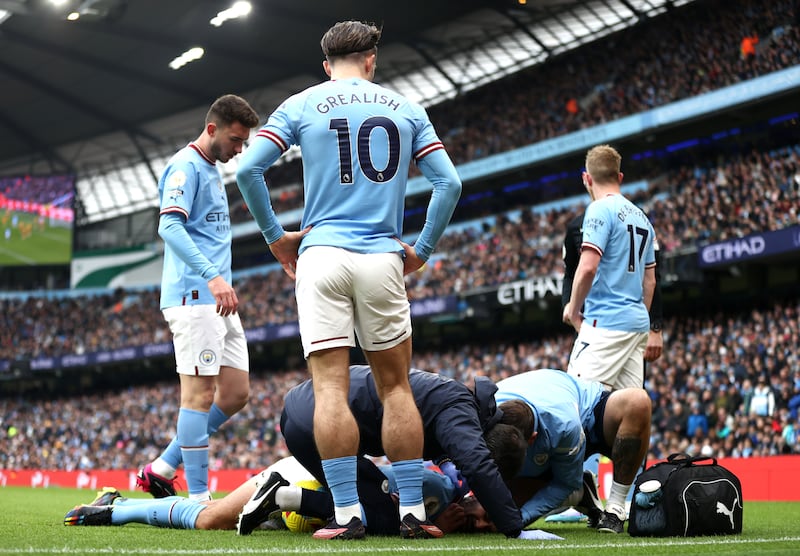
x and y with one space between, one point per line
363 98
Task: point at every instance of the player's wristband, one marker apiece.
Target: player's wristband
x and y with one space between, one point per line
656 326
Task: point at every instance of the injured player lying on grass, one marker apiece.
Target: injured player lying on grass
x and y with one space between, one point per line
270 500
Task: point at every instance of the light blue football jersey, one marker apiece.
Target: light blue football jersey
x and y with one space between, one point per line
357 139
191 187
624 237
563 407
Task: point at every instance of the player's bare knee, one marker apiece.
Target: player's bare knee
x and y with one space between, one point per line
639 405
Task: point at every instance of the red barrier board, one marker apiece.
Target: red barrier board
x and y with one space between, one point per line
767 479
123 479
763 479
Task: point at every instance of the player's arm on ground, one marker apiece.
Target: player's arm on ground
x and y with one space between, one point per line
566 464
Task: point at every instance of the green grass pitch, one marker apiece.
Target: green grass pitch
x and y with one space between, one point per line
33 524
50 245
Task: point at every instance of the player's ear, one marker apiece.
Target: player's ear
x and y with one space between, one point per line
621 175
211 129
327 67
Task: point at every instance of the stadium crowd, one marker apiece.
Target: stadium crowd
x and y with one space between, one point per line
757 191
687 52
728 385
37 189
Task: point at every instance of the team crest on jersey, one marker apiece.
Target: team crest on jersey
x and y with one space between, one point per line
207 357
540 459
176 179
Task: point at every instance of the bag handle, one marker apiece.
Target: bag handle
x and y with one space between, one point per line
686 459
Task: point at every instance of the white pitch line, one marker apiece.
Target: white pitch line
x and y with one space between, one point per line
509 546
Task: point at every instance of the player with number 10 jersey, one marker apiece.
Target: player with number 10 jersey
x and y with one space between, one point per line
367 135
357 140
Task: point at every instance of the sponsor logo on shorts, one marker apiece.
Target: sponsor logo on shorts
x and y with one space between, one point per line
207 357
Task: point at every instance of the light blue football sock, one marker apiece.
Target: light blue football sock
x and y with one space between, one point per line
172 454
193 436
341 476
216 418
408 474
173 512
340 473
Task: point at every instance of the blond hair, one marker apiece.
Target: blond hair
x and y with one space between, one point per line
603 164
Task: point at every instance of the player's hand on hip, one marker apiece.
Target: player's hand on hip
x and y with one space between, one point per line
285 250
227 301
411 260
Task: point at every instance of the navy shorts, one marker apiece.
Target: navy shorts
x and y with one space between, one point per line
595 439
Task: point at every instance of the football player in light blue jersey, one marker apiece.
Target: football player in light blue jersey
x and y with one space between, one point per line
197 298
615 278
274 489
357 140
567 419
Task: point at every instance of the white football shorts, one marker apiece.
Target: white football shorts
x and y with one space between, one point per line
204 341
612 357
340 292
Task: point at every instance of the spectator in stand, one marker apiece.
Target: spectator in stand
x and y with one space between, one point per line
748 47
697 422
762 403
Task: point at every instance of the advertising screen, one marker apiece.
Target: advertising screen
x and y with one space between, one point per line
36 219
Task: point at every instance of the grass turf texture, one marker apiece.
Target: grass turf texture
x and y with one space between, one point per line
51 245
33 524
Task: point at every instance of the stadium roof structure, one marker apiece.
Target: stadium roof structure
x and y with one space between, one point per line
87 87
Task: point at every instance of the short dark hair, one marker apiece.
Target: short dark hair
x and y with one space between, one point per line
507 447
228 109
349 37
518 414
